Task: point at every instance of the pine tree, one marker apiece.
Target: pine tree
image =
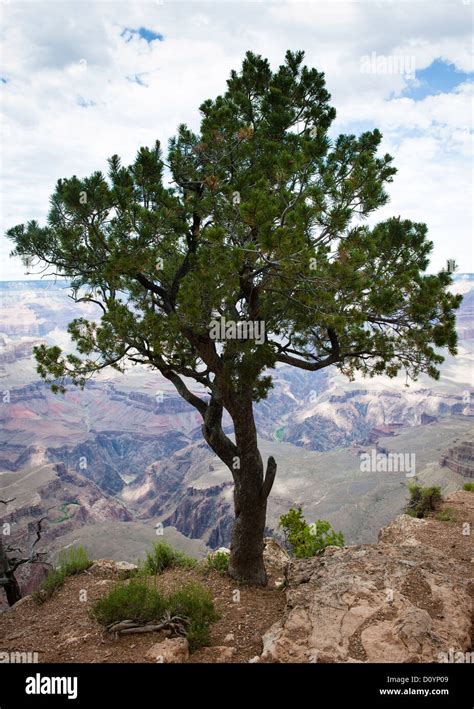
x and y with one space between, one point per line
259 218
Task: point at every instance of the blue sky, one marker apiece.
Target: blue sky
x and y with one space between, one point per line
82 81
437 78
144 33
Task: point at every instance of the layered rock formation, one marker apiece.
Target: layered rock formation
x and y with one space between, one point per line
460 458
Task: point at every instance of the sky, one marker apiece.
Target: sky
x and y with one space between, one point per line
82 81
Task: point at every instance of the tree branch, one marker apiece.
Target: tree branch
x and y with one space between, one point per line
269 477
215 436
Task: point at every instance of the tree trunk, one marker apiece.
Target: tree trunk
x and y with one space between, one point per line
246 547
12 589
10 584
251 490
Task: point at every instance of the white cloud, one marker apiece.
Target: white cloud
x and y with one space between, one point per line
57 55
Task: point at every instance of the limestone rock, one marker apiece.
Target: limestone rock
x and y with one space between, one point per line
171 650
371 603
402 531
221 550
274 555
111 568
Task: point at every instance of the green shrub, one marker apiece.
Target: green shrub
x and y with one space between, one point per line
306 539
135 600
138 601
159 558
468 486
194 602
446 515
71 561
74 560
53 581
163 556
219 561
423 500
184 561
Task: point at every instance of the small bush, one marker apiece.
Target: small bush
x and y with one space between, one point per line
194 602
53 581
446 515
423 500
74 560
139 601
163 556
219 561
469 487
135 600
184 561
71 561
305 539
159 558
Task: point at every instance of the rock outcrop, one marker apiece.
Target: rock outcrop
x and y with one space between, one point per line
171 650
403 531
401 600
113 569
203 514
275 556
460 458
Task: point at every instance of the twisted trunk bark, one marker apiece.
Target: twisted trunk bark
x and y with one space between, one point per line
251 490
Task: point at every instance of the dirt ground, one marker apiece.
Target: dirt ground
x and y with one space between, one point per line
453 538
61 629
